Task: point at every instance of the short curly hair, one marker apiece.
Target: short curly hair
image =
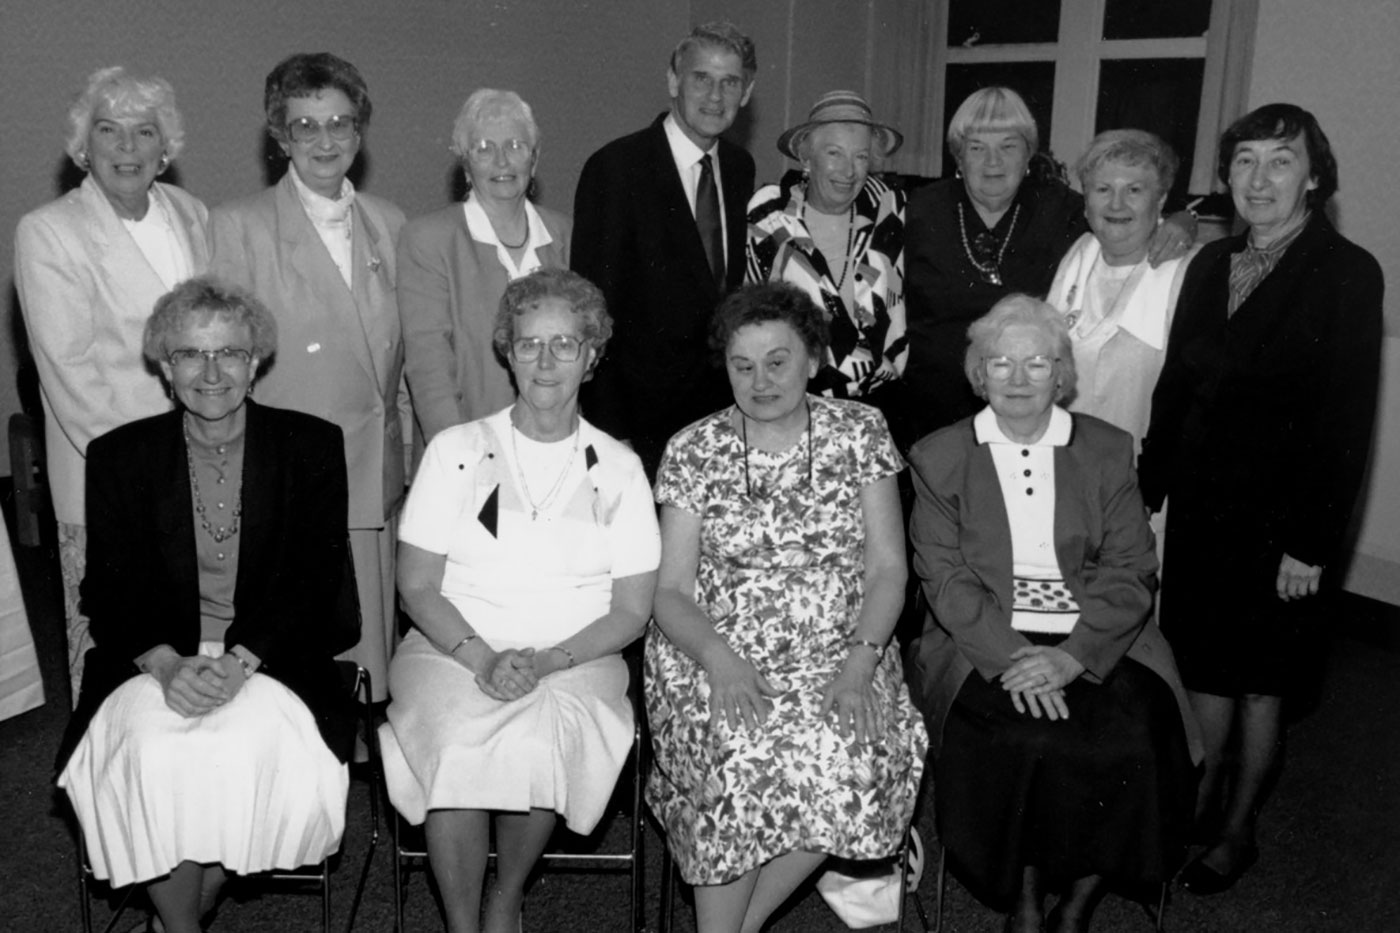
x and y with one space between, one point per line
490 104
1128 147
770 301
303 75
1020 309
583 298
208 296
1285 122
124 95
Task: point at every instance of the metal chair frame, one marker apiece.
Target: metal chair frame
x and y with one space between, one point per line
410 848
357 679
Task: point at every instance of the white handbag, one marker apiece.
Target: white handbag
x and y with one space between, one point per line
870 899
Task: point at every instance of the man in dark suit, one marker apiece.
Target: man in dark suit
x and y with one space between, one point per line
659 227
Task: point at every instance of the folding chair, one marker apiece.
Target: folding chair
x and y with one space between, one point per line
357 681
668 888
411 851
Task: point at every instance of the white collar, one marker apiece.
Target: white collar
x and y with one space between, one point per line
683 148
479 225
321 209
987 431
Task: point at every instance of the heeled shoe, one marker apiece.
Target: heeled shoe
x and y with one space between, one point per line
1203 881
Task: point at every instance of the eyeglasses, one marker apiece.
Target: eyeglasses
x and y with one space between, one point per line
563 347
484 152
729 86
341 127
1038 369
223 357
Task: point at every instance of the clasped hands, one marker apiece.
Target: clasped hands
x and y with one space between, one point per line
741 696
1037 679
196 685
514 672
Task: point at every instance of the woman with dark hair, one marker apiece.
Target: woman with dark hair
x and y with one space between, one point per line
527 561
781 727
1260 432
212 728
321 256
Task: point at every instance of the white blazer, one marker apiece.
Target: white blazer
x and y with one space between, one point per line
86 290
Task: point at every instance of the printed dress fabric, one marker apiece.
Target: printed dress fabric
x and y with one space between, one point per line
781 577
780 248
520 582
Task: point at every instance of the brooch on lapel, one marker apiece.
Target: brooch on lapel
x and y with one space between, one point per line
374 263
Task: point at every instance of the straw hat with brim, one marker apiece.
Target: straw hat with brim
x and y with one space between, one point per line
839 107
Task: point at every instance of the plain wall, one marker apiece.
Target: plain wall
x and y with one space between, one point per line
1339 61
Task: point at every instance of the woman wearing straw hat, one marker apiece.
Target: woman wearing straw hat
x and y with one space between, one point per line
837 232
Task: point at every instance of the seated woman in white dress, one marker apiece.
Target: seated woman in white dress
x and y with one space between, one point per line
211 727
527 559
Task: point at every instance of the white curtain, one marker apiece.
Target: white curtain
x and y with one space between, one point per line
1225 86
905 81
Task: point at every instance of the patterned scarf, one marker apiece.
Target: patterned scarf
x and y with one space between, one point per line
1250 266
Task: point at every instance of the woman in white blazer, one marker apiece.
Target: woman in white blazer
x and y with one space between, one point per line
89 268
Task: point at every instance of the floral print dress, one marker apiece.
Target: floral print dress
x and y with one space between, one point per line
781 576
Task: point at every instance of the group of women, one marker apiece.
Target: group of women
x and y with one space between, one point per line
1038 340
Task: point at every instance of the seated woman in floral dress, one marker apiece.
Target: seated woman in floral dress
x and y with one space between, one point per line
781 727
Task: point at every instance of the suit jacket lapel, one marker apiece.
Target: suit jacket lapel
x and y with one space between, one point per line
308 257
680 222
174 518
123 263
371 265
259 492
993 552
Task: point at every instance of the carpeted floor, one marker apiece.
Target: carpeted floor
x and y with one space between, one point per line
1330 859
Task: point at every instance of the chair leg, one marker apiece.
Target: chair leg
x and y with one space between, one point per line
365 694
638 862
326 896
1161 918
400 889
902 861
942 892
668 889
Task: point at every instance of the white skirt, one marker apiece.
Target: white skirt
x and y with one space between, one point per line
250 785
447 745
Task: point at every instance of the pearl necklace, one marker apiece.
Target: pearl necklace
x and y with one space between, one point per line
548 500
991 273
222 533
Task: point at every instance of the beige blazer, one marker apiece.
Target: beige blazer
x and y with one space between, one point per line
339 350
86 290
450 286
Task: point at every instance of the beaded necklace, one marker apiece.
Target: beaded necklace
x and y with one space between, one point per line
222 533
991 273
850 241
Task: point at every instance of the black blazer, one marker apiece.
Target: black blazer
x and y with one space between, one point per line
142 583
635 238
1261 420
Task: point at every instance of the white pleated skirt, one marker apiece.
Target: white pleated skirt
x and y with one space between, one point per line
250 785
447 745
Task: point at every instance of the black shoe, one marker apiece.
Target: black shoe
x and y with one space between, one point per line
1202 880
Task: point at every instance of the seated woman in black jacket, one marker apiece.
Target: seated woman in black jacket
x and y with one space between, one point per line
210 706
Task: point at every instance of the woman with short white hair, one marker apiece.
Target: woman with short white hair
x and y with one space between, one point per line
88 268
455 263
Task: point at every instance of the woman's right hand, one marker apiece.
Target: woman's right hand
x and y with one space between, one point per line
738 692
192 686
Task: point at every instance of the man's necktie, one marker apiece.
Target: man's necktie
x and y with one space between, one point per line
707 219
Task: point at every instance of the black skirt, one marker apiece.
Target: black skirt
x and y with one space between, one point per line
1110 791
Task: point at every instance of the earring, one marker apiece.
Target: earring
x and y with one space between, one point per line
164 164
81 160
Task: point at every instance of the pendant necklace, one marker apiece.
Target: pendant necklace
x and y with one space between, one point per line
991 272
537 507
222 533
